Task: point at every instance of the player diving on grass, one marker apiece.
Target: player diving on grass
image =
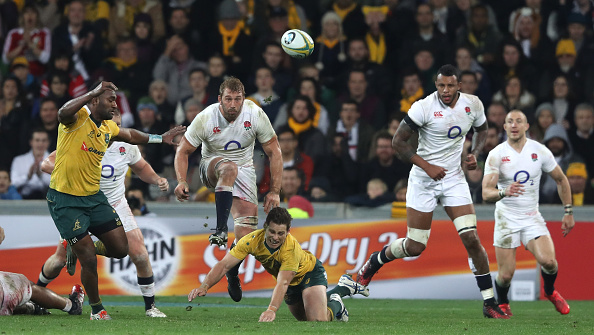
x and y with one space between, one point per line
75 202
227 131
512 180
442 120
300 277
18 295
118 157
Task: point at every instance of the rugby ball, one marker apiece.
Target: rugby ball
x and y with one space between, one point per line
297 43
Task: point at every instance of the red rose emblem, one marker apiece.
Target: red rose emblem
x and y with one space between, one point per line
247 125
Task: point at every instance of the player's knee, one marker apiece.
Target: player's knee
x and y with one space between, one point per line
139 258
505 277
88 262
550 264
416 241
414 248
227 170
120 252
465 224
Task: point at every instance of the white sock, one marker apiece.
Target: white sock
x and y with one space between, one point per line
68 306
147 290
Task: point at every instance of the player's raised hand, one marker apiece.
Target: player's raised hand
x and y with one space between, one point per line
435 172
268 316
182 191
567 224
104 86
163 184
514 190
169 135
271 200
471 162
197 292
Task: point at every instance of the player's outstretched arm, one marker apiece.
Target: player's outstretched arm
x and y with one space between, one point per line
479 138
1 234
273 151
283 280
134 136
146 173
214 276
67 113
564 190
48 164
180 163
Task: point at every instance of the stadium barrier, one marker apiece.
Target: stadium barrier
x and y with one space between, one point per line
180 254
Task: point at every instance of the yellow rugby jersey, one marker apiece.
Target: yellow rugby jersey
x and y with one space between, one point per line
80 149
289 257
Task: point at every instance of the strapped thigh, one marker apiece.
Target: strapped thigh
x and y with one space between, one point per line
247 221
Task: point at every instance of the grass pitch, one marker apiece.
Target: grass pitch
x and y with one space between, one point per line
367 316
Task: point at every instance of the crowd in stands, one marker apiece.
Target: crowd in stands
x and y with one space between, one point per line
335 112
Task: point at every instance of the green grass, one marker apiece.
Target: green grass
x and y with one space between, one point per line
367 316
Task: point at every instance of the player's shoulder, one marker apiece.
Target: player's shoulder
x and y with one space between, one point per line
501 147
472 101
251 108
428 101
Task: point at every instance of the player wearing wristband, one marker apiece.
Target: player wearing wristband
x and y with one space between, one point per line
300 277
227 131
515 168
75 201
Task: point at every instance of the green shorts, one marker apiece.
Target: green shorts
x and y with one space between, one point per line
315 277
76 216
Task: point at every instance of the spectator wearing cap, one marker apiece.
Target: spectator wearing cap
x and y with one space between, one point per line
20 69
270 24
232 40
149 121
271 14
300 208
30 40
566 56
544 117
581 189
121 18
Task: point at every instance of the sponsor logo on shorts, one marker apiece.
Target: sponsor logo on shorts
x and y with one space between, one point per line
163 253
505 159
76 225
118 221
438 114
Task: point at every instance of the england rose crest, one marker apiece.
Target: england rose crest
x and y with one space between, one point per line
534 157
467 109
122 151
247 125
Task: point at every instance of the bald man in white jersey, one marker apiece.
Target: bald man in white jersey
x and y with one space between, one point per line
442 120
118 157
227 131
512 180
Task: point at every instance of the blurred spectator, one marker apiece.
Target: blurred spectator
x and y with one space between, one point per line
376 37
544 118
351 17
62 60
514 96
329 53
563 99
326 95
48 121
26 174
543 10
400 190
14 120
231 40
557 141
358 132
158 91
291 183
180 25
320 190
512 62
525 28
78 38
7 191
121 18
425 37
584 43
496 114
465 62
265 97
308 87
20 69
198 79
147 44
300 208
58 81
370 106
291 157
426 68
584 8
411 91
377 195
135 198
394 122
468 82
273 15
192 107
566 57
174 67
311 140
217 73
581 190
582 136
481 35
383 163
30 40
272 56
277 19
149 123
491 142
399 23
344 176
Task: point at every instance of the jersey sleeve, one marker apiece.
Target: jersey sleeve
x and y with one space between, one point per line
242 249
493 162
115 130
263 127
83 115
548 160
417 114
134 155
480 117
194 132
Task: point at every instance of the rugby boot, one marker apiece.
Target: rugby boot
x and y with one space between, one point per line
77 296
355 288
494 312
560 304
368 270
218 238
505 309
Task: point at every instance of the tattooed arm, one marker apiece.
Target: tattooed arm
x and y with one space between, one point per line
478 142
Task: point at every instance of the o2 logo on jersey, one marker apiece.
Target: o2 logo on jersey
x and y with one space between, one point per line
230 143
454 132
108 171
522 176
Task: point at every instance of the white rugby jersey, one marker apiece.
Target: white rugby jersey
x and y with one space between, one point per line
442 129
525 167
114 166
235 140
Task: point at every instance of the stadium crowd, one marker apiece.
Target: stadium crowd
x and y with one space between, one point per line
334 112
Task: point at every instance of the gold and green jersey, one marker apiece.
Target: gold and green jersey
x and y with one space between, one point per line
80 149
288 257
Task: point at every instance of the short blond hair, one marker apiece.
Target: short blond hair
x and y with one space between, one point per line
232 84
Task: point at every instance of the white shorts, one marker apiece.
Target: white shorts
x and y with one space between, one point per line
128 221
245 183
512 229
15 290
423 193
